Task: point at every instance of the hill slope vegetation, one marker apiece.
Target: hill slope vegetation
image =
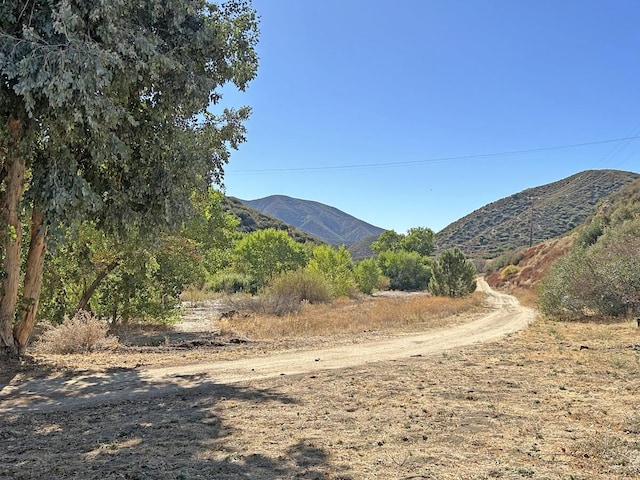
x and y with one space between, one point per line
252 220
533 215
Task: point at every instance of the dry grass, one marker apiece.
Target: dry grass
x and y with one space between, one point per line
348 316
558 401
80 334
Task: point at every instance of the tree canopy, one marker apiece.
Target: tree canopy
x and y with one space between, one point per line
105 113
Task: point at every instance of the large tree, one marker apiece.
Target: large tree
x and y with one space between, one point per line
104 114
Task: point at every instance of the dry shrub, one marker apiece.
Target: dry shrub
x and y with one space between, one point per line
299 285
266 304
348 316
84 332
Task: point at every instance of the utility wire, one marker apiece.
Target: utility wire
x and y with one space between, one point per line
431 160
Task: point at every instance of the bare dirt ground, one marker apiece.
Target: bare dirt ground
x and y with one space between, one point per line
486 398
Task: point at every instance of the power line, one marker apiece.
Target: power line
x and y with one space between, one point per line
431 160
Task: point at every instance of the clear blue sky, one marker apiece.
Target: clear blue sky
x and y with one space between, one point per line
368 105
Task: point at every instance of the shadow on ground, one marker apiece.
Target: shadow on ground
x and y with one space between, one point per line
185 434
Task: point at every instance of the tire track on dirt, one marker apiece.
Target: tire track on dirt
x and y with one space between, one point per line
70 393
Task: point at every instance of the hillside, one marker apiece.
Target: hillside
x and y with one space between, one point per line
533 215
327 223
252 220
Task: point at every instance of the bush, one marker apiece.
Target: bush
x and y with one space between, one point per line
230 282
84 332
600 279
508 271
508 258
301 285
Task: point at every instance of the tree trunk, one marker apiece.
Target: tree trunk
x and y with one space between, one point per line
12 246
32 282
84 301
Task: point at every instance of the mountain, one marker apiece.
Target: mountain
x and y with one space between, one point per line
534 263
252 220
327 223
533 215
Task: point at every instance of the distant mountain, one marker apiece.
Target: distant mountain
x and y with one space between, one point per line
327 223
252 220
533 215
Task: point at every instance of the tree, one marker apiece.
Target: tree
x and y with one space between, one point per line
336 266
367 275
420 240
453 275
263 254
104 113
388 240
406 270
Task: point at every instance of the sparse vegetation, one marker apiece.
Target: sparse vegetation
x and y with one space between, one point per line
82 333
347 316
504 226
599 276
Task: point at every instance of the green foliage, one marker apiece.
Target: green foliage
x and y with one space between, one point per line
453 275
589 234
232 282
367 274
598 279
108 106
336 266
405 270
420 240
266 253
388 240
304 284
504 260
114 97
137 278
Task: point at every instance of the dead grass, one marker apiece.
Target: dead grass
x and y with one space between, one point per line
557 401
347 316
80 334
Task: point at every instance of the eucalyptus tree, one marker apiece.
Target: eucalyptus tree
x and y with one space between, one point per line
105 114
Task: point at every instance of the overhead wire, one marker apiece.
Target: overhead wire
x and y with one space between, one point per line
430 160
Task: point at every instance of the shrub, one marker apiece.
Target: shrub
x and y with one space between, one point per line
300 285
84 332
230 282
600 279
508 271
269 303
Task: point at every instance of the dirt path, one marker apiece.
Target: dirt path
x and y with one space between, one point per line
65 393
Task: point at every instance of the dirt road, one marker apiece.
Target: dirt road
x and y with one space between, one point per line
66 393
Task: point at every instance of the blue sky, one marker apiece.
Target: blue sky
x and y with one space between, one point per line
390 111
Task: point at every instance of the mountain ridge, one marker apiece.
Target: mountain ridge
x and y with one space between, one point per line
532 215
317 219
